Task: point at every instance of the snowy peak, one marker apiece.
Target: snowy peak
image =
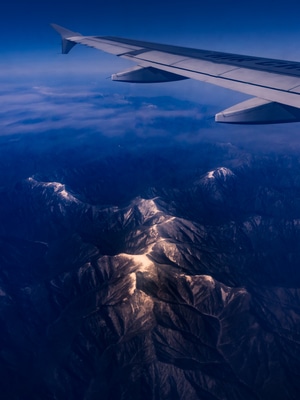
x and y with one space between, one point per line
56 188
217 184
142 211
222 173
147 208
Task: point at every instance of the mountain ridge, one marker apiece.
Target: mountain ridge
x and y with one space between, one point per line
171 294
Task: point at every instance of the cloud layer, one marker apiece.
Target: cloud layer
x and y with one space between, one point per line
43 108
37 107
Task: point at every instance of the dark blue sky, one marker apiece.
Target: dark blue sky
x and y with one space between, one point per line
268 28
24 25
31 66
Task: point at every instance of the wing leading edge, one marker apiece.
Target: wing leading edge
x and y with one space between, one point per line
275 84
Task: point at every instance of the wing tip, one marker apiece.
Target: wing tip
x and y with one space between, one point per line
66 34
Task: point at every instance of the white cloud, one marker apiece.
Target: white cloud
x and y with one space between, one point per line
137 111
45 108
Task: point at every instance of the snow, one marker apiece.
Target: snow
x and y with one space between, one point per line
224 294
143 262
171 251
59 189
188 278
148 208
219 172
133 287
210 175
208 280
128 214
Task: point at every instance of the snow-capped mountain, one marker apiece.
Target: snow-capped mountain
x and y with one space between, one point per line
192 293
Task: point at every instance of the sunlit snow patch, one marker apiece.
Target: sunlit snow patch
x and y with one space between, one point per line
59 189
221 172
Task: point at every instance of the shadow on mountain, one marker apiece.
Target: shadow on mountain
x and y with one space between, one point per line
154 272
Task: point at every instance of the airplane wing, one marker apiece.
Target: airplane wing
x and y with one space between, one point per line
275 84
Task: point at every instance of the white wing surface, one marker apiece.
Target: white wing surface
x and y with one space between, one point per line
275 84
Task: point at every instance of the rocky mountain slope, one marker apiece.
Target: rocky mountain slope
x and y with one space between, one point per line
127 283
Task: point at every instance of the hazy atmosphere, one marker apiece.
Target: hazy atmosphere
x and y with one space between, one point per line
146 252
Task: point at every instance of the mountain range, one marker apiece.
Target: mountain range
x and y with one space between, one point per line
150 272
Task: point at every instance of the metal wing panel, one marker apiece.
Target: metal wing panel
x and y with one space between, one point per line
268 85
225 71
241 61
159 57
274 80
295 89
263 78
206 67
268 93
105 45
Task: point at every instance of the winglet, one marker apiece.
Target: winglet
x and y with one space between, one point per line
66 38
